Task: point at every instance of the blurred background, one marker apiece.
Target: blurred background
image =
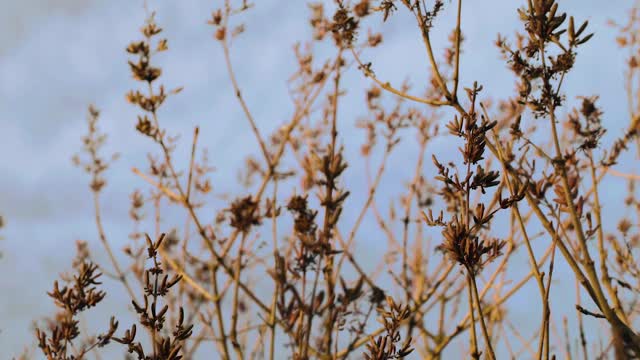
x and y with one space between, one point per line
57 57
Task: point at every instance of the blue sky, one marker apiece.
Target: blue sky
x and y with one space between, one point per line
56 57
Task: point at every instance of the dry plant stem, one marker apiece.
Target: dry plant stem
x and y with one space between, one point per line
186 277
525 235
483 325
363 340
272 327
623 175
346 253
604 270
352 345
538 149
463 324
565 252
526 346
550 230
299 115
420 307
456 71
188 354
384 227
507 343
365 207
356 343
475 353
185 243
328 230
441 319
157 198
407 214
194 144
236 300
546 308
201 231
103 238
525 343
289 128
619 326
583 340
236 89
276 290
300 323
566 335
386 86
191 210
588 262
166 191
309 325
432 60
216 340
218 308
